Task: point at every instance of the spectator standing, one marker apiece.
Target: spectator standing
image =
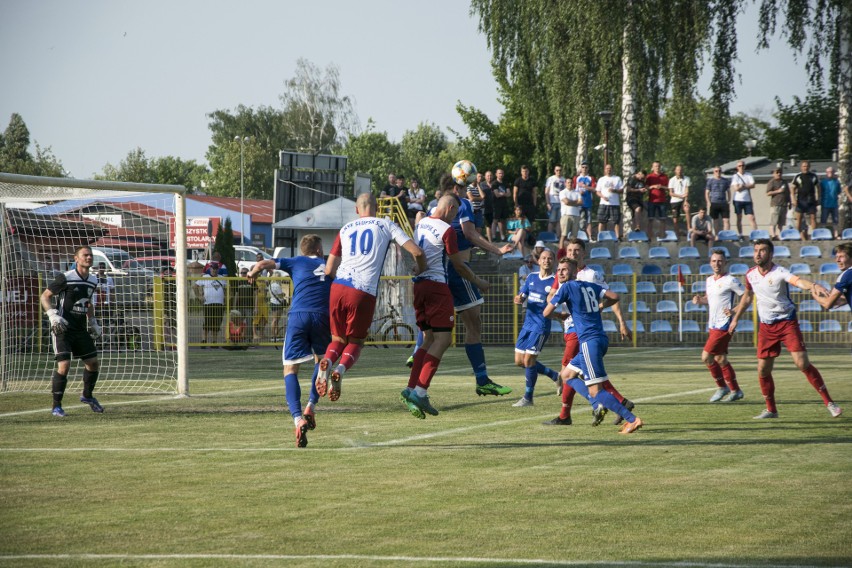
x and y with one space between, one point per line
105 295
502 209
610 188
658 200
488 204
829 193
570 203
434 202
212 288
416 199
805 187
679 194
585 184
525 194
400 192
717 194
278 301
244 295
742 183
217 259
635 195
390 188
552 187
779 202
474 195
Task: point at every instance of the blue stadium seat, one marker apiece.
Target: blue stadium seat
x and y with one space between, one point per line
666 307
705 270
745 325
790 235
651 270
699 287
672 287
738 269
605 236
824 284
829 326
622 270
723 250
547 236
597 268
625 253
659 252
746 252
583 236
609 326
684 269
600 253
514 254
829 268
670 237
810 251
843 308
661 326
688 252
782 251
618 287
805 325
689 326
640 327
810 306
849 327
644 287
641 307
689 307
728 236
822 234
846 234
637 237
758 234
800 268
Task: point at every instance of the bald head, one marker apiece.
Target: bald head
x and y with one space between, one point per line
365 205
447 208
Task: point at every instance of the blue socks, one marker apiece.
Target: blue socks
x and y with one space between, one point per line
610 402
293 392
531 374
580 387
542 370
476 356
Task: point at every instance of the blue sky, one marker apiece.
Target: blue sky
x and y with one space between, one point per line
94 79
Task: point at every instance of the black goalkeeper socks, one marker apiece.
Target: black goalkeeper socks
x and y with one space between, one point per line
58 383
89 380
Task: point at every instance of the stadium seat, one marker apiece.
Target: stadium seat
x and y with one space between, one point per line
659 252
600 253
758 234
849 327
738 269
705 270
723 250
641 307
684 269
810 306
596 267
782 251
800 268
670 237
689 326
644 287
746 252
688 252
843 308
810 251
640 327
637 237
824 284
790 235
666 307
829 268
672 287
727 236
625 253
583 236
605 236
846 234
806 326
622 270
618 287
609 326
829 326
699 287
651 270
661 326
822 234
689 307
745 325
547 236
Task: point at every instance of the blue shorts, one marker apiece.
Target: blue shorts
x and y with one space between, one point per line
741 207
465 294
531 341
308 333
589 361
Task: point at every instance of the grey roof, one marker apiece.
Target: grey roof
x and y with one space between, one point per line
330 215
760 167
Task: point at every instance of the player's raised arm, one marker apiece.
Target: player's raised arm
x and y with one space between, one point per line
265 264
741 307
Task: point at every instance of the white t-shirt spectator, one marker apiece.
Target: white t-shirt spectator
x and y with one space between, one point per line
419 194
738 180
605 185
214 289
553 186
570 195
679 186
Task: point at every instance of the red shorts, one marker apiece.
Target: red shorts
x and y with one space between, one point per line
717 343
770 336
433 305
351 311
572 347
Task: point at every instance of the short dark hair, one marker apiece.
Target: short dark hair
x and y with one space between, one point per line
718 251
81 247
576 241
571 261
766 242
844 247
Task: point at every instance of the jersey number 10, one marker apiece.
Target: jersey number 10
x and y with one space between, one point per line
366 243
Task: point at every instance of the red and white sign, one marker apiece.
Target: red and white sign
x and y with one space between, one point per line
200 232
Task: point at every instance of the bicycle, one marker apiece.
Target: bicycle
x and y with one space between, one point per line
391 329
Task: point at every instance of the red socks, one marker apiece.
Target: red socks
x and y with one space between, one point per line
333 351
430 365
416 368
611 390
767 388
717 374
567 400
816 381
730 377
350 355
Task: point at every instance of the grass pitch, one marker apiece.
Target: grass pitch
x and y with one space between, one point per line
216 479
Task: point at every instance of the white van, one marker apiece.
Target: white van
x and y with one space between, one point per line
246 256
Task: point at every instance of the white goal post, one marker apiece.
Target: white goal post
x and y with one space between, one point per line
142 304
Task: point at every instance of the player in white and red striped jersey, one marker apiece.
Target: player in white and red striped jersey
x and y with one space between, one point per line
721 289
355 262
433 301
777 312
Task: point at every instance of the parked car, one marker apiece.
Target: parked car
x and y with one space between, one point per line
133 281
162 265
246 256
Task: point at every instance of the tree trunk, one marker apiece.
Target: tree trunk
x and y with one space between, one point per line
844 137
582 147
628 120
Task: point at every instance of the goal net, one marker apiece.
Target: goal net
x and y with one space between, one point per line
138 240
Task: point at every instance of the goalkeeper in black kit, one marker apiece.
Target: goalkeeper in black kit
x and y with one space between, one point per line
73 328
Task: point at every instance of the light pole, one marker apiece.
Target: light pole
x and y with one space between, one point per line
750 144
242 141
606 115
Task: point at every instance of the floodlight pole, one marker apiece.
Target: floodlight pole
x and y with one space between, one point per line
750 144
242 140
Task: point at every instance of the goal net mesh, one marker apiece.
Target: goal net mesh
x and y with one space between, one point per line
135 302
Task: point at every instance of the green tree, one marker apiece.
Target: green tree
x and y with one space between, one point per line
137 167
807 127
15 157
371 152
425 154
491 145
224 245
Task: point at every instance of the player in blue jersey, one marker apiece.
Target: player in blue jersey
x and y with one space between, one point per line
536 329
585 300
466 297
308 333
842 291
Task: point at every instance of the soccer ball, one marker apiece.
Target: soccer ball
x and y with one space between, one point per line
464 172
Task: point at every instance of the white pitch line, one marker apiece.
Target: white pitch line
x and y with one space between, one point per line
378 558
